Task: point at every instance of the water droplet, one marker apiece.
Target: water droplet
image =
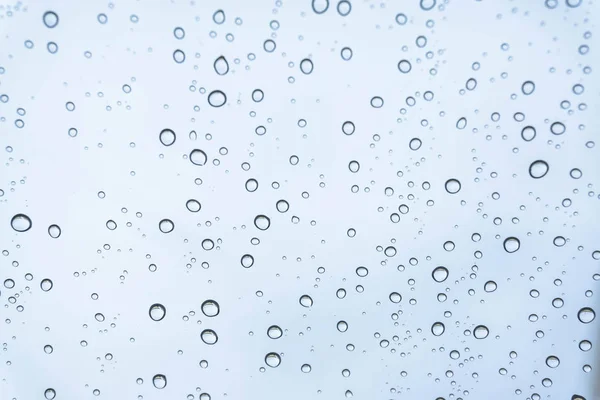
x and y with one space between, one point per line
342 326
251 185
167 137
179 33
209 336
481 332
166 226
586 315
54 231
217 98
427 5
46 285
575 173
210 308
348 128
219 17
262 222
50 19
221 66
282 206
538 169
511 244
362 271
340 293
461 123
99 317
49 394
440 274
490 286
179 56
306 301
527 87
528 133
198 157
453 186
558 128
559 241
247 261
306 66
404 66
354 166
20 223
320 6
159 381
208 244
157 312
273 360
257 95
437 329
346 54
193 205
48 349
552 361
376 102
274 332
415 144
306 368
395 297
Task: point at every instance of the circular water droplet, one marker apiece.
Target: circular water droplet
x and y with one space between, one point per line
48 349
306 301
157 312
558 128
46 285
511 244
221 66
209 336
306 368
247 261
342 326
262 222
404 66
54 231
427 5
586 315
576 173
217 98
481 332
552 361
272 360
166 226
348 128
401 19
376 102
167 137
538 169
346 54
210 308
320 6
354 166
49 394
179 33
251 185
193 205
208 244
440 274
20 223
159 381
527 87
50 19
258 95
415 144
395 297
198 157
306 66
340 293
437 329
453 186
282 206
274 332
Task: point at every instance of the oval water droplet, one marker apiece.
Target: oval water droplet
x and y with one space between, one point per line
558 128
21 223
395 297
217 98
552 361
490 286
306 66
320 6
258 95
210 308
50 19
437 329
159 381
306 368
157 312
193 205
586 315
219 17
198 157
221 66
528 133
209 336
348 128
404 66
179 56
461 123
481 332
46 285
527 87
538 169
54 231
166 226
247 261
167 137
251 185
342 326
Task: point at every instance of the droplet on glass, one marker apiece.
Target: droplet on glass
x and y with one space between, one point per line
179 56
262 222
50 19
54 231
198 157
306 66
453 186
481 332
157 312
210 308
166 226
209 336
274 332
193 205
527 87
306 301
159 381
272 360
167 137
20 223
538 169
511 244
46 285
437 329
49 394
217 98
247 261
439 274
219 17
221 66
586 315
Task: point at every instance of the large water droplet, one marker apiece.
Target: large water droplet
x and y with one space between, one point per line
54 231
219 17
490 286
306 368
272 360
306 301
50 19
157 312
527 87
528 133
193 205
586 315
198 157
437 329
179 56
395 297
46 285
166 226
20 223
49 394
210 308
538 169
342 326
481 332
209 336
217 98
159 381
306 66
320 6
274 332
440 274
247 261
167 137
511 244
552 361
262 222
452 186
